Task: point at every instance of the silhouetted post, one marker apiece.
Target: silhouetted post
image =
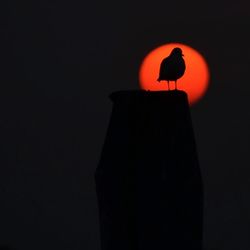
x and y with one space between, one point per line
148 179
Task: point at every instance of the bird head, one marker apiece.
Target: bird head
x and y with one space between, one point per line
176 52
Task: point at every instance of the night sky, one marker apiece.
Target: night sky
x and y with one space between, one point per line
60 60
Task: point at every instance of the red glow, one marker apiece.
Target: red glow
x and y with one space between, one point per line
195 80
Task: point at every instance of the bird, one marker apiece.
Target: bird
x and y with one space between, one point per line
172 67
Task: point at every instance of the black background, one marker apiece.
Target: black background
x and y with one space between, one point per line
60 60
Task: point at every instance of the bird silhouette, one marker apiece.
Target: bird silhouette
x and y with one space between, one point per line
172 67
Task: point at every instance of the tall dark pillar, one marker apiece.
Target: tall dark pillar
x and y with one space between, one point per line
148 180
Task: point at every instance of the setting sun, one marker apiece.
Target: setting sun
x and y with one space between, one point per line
195 80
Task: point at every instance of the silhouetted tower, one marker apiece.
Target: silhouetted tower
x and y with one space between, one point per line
148 179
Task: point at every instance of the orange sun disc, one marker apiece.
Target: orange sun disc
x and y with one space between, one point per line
195 80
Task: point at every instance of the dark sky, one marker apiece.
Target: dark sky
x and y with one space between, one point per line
60 60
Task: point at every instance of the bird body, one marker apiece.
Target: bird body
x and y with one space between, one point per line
172 67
